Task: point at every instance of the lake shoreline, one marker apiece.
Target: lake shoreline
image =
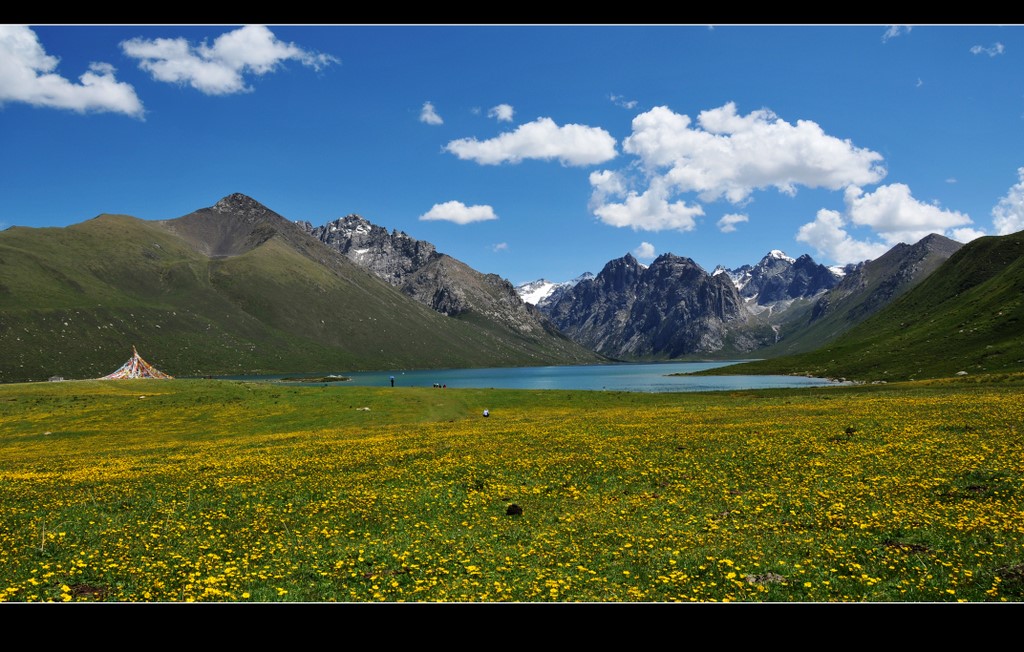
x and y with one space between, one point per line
670 376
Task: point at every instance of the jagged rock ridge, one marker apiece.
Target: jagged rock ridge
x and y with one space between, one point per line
669 309
873 284
437 280
777 277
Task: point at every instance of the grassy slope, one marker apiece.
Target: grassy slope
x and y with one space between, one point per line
966 316
857 297
74 300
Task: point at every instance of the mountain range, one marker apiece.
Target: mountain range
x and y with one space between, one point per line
674 308
238 288
434 279
233 288
963 318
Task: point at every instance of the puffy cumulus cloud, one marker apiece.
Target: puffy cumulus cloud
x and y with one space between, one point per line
571 144
429 114
1008 214
724 155
502 112
218 69
966 234
828 235
606 185
995 49
644 251
895 30
456 211
27 74
728 222
727 155
896 216
647 211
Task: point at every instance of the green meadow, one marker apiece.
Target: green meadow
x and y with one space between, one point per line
222 491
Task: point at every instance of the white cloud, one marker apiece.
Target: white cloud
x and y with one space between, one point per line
728 222
644 251
27 74
723 155
965 235
502 112
1008 214
919 83
729 155
649 211
218 69
572 144
606 184
501 246
830 239
895 30
619 100
459 213
951 180
475 110
896 216
995 49
429 115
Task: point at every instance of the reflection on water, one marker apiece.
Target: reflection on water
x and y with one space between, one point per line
649 377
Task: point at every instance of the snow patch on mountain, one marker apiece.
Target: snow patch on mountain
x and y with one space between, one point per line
781 255
536 291
542 290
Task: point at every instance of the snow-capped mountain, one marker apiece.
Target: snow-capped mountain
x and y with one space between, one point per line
778 277
543 292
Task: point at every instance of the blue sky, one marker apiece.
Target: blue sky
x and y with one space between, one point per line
529 151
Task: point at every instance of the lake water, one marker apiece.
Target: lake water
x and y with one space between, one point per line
625 377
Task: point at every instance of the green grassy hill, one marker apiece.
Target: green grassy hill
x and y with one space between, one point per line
217 293
966 316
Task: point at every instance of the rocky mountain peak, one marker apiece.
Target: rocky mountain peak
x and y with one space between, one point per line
778 277
667 258
938 243
778 254
234 225
870 285
392 256
437 280
671 308
243 206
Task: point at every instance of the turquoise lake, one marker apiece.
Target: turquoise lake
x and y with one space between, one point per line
623 377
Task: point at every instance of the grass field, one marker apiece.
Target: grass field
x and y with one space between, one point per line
211 490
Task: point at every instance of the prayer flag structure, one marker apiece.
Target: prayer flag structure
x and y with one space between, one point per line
136 367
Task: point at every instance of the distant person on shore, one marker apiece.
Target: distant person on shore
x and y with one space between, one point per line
392 381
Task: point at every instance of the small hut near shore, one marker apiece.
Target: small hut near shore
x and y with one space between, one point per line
136 367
